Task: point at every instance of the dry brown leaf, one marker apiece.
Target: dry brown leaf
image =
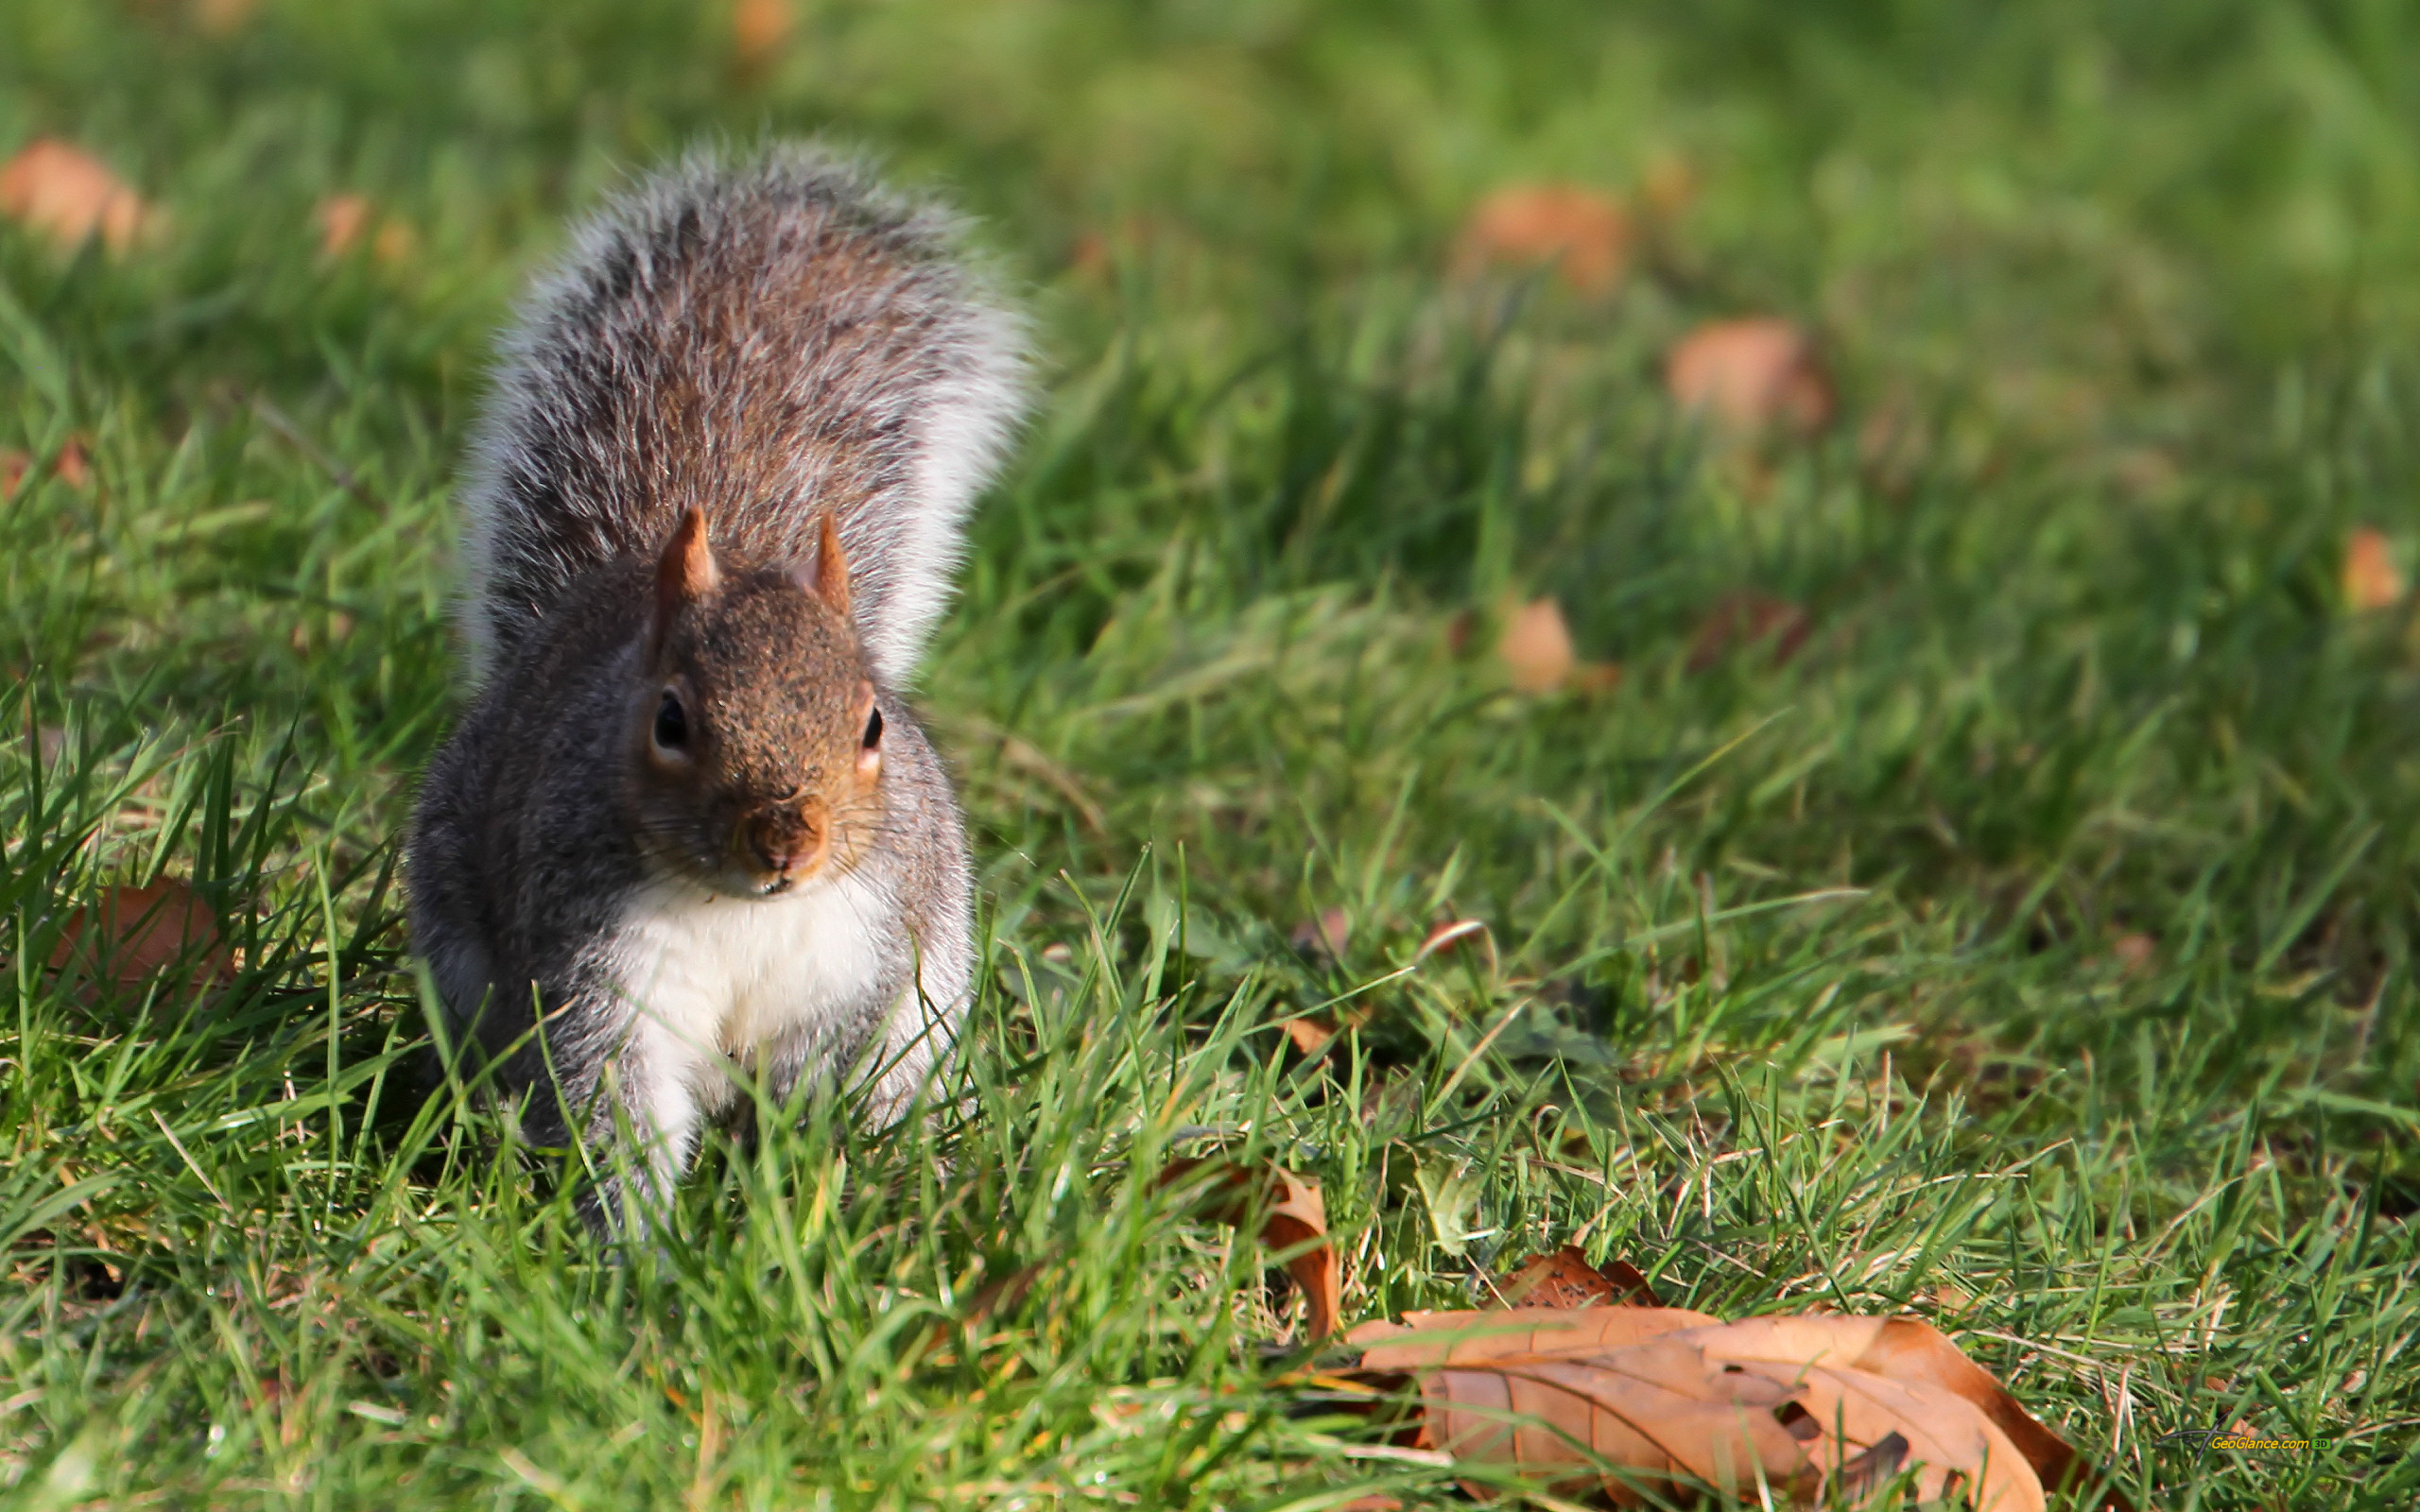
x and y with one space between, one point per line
1424 1340
1908 1348
1750 377
2372 580
73 467
2136 952
340 219
1744 619
1535 646
1563 1278
1329 932
1666 1393
1309 1036
1583 232
70 195
758 30
1657 1410
343 219
138 932
1447 934
1635 1289
1294 1216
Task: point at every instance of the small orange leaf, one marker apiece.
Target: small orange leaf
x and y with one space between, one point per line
758 30
1294 1216
1751 376
1445 936
2372 580
69 196
14 465
1535 647
2135 951
73 467
1329 933
1585 234
139 931
344 219
1563 1278
1309 1036
340 219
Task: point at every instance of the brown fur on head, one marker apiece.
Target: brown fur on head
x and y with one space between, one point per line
756 728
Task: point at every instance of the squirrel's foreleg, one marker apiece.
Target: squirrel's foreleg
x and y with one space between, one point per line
638 1120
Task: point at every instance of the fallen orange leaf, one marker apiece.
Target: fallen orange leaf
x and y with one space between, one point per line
1424 1340
2372 580
2135 951
1535 647
340 218
344 218
1563 1278
1309 1036
1585 234
1751 376
758 30
1294 1216
73 467
1813 1402
1329 932
1450 933
136 933
69 196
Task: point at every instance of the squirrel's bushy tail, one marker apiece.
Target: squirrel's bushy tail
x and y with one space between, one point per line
764 337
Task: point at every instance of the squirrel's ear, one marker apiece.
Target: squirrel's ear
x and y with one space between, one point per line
831 580
685 573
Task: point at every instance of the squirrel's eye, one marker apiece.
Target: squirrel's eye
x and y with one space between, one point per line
671 723
873 730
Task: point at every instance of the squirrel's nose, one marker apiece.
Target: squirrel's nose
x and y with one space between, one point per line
786 841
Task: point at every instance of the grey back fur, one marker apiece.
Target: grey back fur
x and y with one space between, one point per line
762 340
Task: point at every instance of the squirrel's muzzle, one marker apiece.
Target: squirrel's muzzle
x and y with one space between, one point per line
785 843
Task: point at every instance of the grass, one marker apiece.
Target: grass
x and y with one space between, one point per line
2033 949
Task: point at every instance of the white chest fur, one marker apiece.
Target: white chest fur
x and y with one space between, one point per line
714 978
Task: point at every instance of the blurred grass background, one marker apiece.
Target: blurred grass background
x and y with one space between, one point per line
2031 947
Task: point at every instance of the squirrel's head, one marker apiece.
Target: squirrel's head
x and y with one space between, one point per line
756 730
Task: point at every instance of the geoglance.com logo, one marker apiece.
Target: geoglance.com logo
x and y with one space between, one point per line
2236 1437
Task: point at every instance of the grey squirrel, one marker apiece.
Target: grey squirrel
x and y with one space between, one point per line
687 830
